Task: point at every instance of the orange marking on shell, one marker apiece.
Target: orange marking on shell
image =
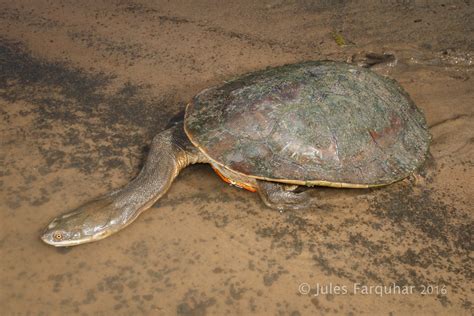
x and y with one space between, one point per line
388 132
221 176
374 135
237 184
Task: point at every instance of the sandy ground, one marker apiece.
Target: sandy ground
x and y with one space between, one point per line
84 86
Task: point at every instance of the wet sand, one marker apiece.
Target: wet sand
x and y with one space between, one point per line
85 85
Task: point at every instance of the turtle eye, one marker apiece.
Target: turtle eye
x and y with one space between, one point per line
58 236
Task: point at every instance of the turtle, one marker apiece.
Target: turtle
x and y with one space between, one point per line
272 131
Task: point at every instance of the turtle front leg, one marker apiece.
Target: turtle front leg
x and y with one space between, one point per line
282 196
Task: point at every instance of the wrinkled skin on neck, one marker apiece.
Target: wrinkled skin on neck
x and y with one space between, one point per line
170 152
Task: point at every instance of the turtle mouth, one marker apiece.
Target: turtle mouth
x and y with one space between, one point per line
48 238
67 242
61 238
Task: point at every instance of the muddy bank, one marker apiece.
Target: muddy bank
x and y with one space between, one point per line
84 87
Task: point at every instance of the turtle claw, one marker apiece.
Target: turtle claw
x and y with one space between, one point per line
417 180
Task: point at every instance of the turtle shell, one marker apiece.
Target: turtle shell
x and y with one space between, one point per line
312 123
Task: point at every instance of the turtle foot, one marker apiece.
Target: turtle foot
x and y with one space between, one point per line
282 197
380 62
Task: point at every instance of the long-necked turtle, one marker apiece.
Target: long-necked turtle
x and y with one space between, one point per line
314 123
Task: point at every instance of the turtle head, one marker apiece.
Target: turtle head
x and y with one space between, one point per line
90 222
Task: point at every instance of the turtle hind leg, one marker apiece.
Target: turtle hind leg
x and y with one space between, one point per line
382 63
281 196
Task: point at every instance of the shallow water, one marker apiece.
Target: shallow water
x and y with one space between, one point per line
85 86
